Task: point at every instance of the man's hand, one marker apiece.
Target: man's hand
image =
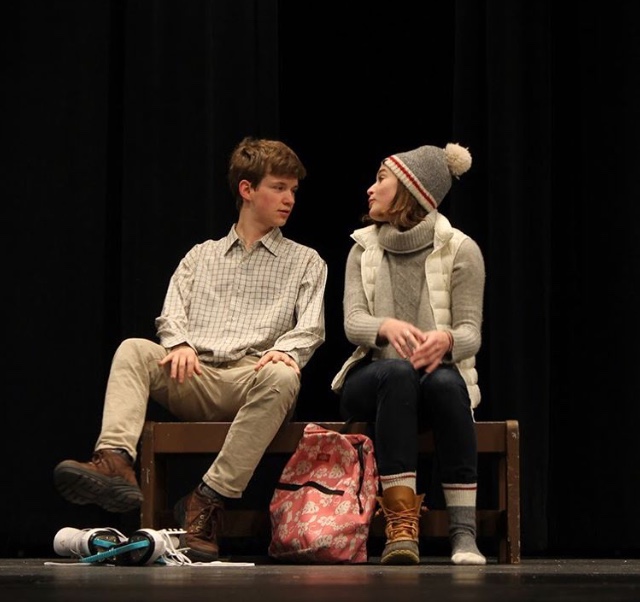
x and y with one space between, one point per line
277 356
184 362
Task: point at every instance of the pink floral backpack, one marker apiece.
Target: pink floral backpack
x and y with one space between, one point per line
323 504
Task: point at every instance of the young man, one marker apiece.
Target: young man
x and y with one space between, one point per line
242 316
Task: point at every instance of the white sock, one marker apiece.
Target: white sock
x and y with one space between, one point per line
464 550
462 533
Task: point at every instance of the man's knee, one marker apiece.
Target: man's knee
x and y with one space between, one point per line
281 377
136 350
136 346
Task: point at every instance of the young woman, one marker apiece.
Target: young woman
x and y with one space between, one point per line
413 304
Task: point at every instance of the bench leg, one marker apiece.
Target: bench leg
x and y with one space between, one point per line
512 470
152 481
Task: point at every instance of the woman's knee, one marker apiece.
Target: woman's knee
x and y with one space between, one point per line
445 378
445 389
396 373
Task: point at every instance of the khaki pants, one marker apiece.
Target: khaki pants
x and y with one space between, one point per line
257 404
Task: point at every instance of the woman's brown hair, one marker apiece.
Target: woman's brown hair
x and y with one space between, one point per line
404 211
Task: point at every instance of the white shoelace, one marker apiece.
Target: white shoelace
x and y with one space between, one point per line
173 554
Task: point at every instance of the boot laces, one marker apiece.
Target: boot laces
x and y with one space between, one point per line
99 458
204 524
402 523
106 463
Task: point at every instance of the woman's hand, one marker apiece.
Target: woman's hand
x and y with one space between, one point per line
429 353
403 336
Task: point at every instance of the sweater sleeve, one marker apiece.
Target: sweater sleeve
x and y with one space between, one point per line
467 294
360 326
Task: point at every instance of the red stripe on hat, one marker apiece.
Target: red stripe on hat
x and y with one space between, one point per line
416 183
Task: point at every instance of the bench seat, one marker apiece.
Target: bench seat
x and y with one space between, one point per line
163 440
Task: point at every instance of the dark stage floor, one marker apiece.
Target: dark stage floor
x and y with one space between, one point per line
435 580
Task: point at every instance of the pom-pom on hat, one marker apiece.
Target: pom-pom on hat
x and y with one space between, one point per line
426 171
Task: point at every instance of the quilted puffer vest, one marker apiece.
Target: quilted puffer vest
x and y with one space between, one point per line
438 268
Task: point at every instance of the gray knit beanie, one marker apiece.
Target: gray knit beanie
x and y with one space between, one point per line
426 171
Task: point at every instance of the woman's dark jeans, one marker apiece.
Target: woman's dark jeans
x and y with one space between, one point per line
401 402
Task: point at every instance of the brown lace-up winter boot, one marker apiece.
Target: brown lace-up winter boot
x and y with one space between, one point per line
107 480
402 509
199 515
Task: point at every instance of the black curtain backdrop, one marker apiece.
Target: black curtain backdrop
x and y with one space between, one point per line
119 117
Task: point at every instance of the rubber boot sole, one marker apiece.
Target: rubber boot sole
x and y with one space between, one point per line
400 552
80 486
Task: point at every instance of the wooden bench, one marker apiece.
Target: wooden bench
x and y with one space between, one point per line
163 440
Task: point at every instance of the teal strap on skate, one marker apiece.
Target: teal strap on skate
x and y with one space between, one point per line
105 543
115 550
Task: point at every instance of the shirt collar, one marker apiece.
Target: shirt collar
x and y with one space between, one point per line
271 241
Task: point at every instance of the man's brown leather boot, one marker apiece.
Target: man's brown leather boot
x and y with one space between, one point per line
199 515
107 480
